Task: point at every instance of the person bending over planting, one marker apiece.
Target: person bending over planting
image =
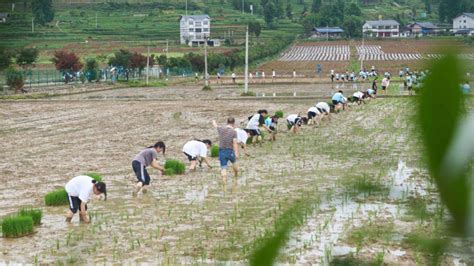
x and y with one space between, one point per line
358 97
295 121
197 150
325 110
255 121
79 189
228 147
242 137
272 123
371 93
314 116
339 101
147 157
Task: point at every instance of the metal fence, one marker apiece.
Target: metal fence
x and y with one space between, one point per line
40 77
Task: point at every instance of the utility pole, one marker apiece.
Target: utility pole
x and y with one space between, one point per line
363 52
242 6
206 81
33 25
96 20
148 65
167 47
186 7
246 86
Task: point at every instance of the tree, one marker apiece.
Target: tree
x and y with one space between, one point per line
353 10
5 59
316 6
66 62
15 79
121 59
255 28
91 69
289 11
26 57
138 61
352 26
42 11
269 13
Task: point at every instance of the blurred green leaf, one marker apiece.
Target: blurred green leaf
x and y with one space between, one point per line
269 245
440 112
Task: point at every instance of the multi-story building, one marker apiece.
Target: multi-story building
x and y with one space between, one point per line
464 24
194 29
381 28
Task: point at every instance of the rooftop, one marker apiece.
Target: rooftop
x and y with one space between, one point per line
389 22
329 30
196 17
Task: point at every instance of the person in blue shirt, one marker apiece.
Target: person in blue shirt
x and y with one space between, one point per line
272 122
339 101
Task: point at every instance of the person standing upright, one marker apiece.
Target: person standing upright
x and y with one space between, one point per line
228 147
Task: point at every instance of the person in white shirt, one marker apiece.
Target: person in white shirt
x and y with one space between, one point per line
79 190
196 150
358 97
263 76
295 122
233 77
385 84
409 83
294 74
313 116
273 75
255 121
242 137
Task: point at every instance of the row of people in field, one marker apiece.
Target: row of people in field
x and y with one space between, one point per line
231 139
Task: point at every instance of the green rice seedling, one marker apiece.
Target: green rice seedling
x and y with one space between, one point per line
16 226
56 198
169 171
214 150
35 214
96 176
279 114
178 166
432 248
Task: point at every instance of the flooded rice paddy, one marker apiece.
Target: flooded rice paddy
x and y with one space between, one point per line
362 170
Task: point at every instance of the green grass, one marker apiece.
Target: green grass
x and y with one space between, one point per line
371 233
177 167
432 248
364 185
214 151
279 114
16 226
56 198
96 176
35 214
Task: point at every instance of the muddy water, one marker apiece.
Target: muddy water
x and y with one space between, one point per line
182 219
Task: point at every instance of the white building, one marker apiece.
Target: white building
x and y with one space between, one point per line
381 28
194 29
464 24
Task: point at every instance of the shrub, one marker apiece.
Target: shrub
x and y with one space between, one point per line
279 114
214 150
56 198
96 176
35 214
176 165
16 226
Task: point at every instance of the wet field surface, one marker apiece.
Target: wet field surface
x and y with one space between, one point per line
196 218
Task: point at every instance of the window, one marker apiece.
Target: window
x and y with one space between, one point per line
198 24
205 30
464 21
205 22
198 30
191 23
